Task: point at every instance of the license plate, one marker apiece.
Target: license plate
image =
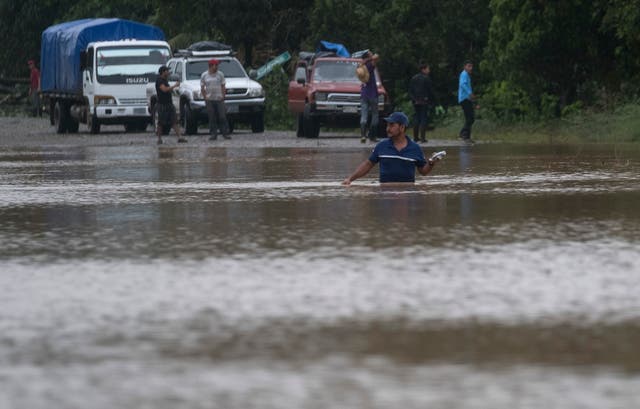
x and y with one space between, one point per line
232 109
350 110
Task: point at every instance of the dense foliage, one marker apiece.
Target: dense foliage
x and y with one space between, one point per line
534 59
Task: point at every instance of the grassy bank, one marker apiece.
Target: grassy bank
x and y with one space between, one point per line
619 125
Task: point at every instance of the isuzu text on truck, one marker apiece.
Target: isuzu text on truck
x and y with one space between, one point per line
95 71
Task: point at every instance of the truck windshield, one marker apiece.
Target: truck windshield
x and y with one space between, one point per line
130 65
230 69
335 71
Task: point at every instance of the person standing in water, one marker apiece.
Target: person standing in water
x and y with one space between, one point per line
399 156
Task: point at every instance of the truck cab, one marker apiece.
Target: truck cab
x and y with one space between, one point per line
114 80
325 90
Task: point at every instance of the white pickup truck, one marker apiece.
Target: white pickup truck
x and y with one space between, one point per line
245 99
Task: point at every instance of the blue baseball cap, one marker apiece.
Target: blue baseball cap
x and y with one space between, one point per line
398 118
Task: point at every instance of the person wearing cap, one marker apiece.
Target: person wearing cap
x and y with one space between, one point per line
465 99
369 99
213 89
165 111
398 155
34 88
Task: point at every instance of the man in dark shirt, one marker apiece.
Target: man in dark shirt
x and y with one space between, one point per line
423 98
165 111
369 100
398 155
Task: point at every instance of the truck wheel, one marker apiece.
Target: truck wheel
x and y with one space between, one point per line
60 117
52 110
310 125
299 128
93 124
73 125
311 128
190 122
257 123
231 125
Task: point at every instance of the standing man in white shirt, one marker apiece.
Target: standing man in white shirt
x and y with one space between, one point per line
212 86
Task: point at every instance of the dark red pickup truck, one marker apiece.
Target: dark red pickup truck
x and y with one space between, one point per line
325 91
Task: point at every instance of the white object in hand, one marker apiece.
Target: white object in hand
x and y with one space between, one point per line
438 155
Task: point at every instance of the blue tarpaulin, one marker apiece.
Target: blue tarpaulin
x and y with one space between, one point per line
339 49
62 44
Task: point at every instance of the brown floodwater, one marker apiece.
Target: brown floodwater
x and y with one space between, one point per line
200 277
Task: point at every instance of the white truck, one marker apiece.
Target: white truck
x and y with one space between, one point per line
245 99
95 71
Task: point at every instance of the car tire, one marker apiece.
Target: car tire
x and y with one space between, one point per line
299 126
60 117
310 124
257 122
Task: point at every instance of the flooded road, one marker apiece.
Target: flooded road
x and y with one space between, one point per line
233 276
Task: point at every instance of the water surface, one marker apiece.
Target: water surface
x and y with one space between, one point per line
193 276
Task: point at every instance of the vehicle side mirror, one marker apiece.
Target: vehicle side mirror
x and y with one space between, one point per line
174 77
253 74
301 75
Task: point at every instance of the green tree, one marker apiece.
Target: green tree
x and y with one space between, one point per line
622 18
21 26
140 11
244 24
543 49
405 32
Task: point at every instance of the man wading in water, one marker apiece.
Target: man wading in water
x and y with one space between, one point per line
398 155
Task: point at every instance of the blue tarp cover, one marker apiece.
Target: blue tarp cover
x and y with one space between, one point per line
62 44
339 49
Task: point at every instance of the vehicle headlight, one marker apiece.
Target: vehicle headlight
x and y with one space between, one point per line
104 100
321 96
255 92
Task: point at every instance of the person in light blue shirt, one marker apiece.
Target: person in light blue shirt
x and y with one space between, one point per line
465 99
399 156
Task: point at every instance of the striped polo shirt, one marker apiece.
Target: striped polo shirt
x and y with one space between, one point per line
398 166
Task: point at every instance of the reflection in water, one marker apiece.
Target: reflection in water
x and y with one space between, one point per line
465 168
509 269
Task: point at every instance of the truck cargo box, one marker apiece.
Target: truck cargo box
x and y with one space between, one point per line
63 43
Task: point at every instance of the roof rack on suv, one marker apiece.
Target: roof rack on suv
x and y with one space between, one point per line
207 53
310 56
205 49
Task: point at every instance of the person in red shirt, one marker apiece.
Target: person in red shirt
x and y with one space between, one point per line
34 89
